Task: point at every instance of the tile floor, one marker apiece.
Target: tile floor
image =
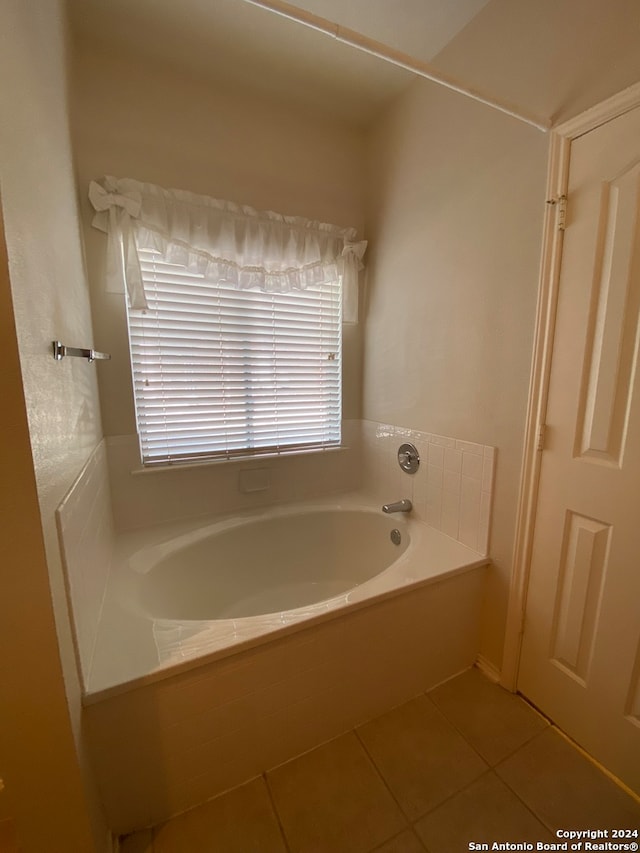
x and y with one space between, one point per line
465 762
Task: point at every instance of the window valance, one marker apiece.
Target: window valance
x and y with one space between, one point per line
219 239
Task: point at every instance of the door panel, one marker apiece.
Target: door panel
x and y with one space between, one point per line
581 649
610 350
582 569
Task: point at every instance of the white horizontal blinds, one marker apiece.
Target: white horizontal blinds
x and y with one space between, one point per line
220 372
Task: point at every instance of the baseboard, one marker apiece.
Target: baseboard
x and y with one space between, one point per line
487 668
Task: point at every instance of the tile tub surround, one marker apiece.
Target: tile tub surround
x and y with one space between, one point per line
174 743
85 531
452 489
144 497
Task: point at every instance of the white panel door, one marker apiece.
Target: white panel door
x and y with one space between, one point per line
580 659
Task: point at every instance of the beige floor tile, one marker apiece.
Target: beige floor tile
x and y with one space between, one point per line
332 800
406 842
486 811
8 839
493 720
420 755
240 821
139 842
564 788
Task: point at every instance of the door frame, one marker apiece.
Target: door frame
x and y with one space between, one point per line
560 141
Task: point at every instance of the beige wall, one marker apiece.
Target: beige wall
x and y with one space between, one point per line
455 221
47 778
155 123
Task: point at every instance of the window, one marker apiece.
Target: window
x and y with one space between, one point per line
235 320
219 371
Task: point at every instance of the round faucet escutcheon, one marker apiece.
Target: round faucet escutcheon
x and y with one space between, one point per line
408 458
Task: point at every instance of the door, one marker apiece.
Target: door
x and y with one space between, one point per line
580 660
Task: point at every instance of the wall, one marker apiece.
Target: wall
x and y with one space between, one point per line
455 221
36 740
160 124
157 123
51 786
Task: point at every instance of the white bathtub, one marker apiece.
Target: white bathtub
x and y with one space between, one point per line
187 592
280 561
227 648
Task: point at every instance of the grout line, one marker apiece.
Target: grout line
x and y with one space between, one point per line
384 781
520 746
410 829
307 751
276 813
518 796
450 797
552 828
413 821
458 730
422 843
469 742
491 768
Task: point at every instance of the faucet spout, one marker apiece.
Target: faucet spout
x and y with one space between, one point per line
404 505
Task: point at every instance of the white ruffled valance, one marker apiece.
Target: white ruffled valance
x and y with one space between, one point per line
221 240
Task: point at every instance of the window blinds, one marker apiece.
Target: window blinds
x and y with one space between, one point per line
221 372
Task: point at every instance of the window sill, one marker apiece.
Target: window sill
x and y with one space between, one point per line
160 468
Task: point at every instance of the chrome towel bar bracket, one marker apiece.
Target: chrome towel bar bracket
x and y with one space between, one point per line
60 351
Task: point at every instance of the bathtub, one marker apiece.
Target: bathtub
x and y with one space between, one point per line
190 592
227 647
278 562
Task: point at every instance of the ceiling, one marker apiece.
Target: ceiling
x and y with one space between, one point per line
243 45
549 59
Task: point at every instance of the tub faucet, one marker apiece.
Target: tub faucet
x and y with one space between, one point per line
404 505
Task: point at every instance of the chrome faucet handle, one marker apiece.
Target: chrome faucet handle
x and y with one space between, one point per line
408 458
404 505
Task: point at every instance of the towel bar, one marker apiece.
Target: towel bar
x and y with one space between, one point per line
60 351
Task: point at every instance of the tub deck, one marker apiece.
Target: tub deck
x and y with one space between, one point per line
133 649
